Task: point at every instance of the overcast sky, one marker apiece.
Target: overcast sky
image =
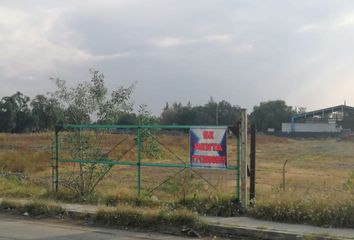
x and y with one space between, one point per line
245 52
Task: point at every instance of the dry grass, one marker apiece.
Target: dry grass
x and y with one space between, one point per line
25 153
316 169
35 208
316 174
313 165
319 209
326 163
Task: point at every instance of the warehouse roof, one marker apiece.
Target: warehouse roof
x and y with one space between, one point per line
339 108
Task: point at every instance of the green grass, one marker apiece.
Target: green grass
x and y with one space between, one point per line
12 187
130 216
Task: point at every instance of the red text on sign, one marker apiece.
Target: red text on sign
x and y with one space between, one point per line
207 147
208 134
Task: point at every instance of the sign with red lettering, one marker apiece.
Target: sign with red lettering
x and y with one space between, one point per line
208 147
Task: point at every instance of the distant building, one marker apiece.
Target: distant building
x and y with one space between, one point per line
328 120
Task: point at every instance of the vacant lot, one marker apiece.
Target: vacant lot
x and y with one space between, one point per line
314 166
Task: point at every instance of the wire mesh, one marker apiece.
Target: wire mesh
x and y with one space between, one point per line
153 161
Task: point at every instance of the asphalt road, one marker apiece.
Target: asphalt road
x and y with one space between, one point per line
13 228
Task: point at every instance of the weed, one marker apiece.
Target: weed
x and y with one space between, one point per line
129 216
32 208
213 205
12 187
320 210
125 196
349 184
182 185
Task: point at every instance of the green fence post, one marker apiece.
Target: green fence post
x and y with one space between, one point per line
138 180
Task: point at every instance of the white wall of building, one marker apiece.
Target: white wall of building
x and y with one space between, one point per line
311 127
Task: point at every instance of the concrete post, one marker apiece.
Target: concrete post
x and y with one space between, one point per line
244 158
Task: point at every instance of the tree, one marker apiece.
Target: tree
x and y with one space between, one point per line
86 101
169 114
271 114
46 113
228 114
127 118
150 146
15 115
201 115
90 100
7 114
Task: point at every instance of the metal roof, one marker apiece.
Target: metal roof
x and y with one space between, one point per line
324 111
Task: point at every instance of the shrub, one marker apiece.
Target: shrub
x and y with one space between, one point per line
320 210
32 208
214 205
129 216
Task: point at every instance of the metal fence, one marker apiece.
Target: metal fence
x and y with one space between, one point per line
150 159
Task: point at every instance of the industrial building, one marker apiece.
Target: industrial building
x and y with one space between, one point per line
332 120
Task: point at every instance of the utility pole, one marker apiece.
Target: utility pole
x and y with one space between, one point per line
244 159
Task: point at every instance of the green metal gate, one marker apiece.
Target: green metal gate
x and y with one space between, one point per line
80 152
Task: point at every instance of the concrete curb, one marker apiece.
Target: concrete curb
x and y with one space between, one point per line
250 232
250 227
234 232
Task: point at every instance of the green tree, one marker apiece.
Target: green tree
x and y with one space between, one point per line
127 118
46 113
202 114
169 114
271 114
91 100
15 115
7 114
86 101
228 114
150 146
